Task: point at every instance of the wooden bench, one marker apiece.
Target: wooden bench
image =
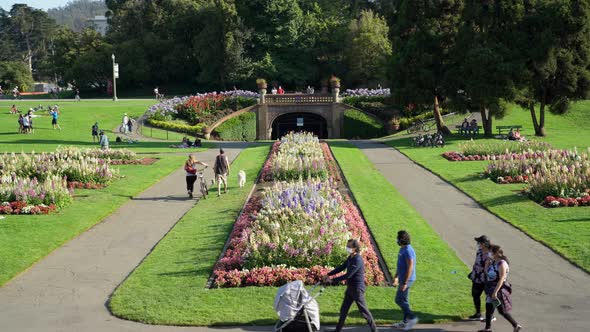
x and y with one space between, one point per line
459 129
507 128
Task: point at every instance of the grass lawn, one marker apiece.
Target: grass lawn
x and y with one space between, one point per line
76 119
565 230
169 286
25 239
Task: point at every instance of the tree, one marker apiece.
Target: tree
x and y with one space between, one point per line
424 34
14 73
31 31
557 57
368 49
75 14
485 59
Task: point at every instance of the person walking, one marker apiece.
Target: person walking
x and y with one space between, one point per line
221 169
54 115
130 125
498 290
103 140
404 278
21 125
95 132
190 167
77 98
355 285
478 274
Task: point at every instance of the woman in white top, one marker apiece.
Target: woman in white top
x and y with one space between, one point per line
498 290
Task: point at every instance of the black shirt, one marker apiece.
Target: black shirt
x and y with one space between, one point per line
355 272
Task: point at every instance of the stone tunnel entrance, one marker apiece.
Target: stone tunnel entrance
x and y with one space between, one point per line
299 121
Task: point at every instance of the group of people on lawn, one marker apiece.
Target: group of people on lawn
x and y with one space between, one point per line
489 274
25 121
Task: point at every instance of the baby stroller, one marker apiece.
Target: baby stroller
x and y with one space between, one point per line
297 308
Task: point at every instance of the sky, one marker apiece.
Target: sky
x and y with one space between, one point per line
42 4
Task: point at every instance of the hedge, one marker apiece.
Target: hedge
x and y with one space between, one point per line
240 128
177 127
361 125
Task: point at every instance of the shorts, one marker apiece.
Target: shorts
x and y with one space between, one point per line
94 133
221 177
53 121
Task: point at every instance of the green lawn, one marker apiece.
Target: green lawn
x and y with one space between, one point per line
76 120
25 239
169 286
565 230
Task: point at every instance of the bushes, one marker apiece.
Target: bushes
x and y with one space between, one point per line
178 127
240 128
358 124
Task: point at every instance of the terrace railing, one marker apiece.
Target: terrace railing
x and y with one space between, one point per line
296 98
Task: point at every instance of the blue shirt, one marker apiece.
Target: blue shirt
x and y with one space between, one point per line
54 114
406 253
355 272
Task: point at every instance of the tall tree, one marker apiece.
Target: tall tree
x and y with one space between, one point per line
31 30
486 61
424 33
557 57
368 49
76 13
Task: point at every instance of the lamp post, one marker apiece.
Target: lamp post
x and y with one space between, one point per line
115 75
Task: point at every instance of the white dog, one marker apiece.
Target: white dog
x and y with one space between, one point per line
242 178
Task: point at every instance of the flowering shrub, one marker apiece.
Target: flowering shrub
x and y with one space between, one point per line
364 92
75 166
52 191
294 231
553 202
77 153
495 148
202 107
142 161
18 207
299 155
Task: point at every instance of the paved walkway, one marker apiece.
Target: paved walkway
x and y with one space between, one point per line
550 294
68 289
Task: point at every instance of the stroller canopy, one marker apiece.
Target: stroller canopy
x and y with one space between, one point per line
291 298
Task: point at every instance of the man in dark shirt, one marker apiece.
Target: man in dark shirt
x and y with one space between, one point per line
221 169
355 281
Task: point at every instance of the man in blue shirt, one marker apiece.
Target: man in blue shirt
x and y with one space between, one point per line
403 279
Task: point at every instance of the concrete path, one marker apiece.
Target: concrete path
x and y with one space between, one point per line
68 289
550 294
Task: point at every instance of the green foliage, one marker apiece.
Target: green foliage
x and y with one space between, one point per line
15 74
239 128
496 148
368 49
195 130
358 124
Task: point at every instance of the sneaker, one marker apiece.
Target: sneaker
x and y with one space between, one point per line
477 316
483 320
517 328
399 325
411 323
190 194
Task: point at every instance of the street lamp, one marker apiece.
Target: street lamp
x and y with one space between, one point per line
115 76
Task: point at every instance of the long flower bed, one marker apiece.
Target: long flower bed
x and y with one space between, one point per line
294 231
555 178
477 151
30 196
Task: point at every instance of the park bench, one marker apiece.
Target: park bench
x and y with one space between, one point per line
458 128
507 128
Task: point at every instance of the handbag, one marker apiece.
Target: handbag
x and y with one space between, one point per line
190 169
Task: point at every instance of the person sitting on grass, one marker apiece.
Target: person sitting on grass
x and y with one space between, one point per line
13 109
518 136
197 143
104 140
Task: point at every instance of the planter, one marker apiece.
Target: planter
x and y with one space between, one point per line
261 86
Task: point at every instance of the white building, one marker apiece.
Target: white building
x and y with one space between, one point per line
99 23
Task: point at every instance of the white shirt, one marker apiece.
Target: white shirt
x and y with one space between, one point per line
125 119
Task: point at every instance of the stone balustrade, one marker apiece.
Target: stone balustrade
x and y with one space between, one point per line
298 98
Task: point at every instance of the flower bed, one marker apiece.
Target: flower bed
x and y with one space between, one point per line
294 231
19 207
77 153
51 192
142 161
457 156
553 202
496 148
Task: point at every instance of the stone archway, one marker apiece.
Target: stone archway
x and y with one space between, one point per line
299 121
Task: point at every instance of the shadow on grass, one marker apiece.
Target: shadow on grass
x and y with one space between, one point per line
503 200
586 219
468 178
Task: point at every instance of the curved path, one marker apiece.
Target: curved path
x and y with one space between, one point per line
550 294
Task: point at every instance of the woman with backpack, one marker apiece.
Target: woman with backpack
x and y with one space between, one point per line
498 290
190 167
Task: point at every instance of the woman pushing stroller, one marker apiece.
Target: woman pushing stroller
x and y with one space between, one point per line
355 285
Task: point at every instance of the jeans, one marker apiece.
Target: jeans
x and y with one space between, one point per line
402 299
357 295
